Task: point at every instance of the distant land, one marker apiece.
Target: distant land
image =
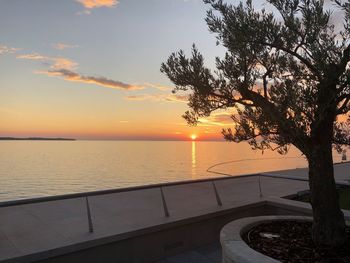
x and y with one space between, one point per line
35 139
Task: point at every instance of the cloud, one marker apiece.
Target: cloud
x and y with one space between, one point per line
61 46
91 4
176 98
70 75
217 119
159 87
33 56
158 97
138 97
98 3
64 63
100 81
7 50
222 117
54 63
66 68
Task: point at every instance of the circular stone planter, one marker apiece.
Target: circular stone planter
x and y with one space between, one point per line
235 249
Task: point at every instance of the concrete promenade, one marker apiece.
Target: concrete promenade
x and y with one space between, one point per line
341 171
36 231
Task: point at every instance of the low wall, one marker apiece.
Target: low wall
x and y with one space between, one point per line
169 239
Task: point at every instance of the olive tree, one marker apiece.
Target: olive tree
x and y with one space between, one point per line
286 76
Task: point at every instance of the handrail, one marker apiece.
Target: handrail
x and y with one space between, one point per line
88 213
217 196
165 206
116 190
150 186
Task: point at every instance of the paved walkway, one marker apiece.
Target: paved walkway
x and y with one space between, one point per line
212 252
341 171
46 226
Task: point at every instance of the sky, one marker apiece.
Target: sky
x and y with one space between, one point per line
89 69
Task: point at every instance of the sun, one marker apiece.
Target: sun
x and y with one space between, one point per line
193 137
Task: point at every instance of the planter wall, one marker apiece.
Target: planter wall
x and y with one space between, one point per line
234 248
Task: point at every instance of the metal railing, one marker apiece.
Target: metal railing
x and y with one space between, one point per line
212 181
165 205
166 211
88 212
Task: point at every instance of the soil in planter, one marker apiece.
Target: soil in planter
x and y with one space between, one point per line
290 241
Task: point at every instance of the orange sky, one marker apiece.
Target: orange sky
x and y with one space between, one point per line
91 69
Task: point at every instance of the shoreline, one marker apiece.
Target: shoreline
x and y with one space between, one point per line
35 139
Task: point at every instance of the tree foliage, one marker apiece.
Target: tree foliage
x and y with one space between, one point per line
286 73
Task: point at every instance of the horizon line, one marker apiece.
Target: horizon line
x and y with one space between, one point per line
107 139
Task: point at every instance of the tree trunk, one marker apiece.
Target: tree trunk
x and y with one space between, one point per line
329 225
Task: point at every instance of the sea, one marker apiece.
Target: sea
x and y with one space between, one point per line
31 169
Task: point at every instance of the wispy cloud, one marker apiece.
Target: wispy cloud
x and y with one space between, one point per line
100 81
217 119
66 68
91 4
33 56
159 87
7 50
158 97
98 3
61 46
64 63
54 63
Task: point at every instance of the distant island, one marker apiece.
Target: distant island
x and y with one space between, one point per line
35 139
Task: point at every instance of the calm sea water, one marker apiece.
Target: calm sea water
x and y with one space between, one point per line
42 168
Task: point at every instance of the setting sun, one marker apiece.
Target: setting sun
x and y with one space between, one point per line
193 137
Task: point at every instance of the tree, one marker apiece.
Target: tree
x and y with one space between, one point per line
286 74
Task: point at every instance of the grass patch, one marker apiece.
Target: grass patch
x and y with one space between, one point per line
344 198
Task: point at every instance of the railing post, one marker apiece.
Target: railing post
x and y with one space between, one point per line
218 199
260 191
91 228
165 207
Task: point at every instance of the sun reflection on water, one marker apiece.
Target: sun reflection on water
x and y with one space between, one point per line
194 159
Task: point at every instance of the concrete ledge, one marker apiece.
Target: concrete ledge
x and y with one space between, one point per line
297 207
153 243
148 232
301 178
149 245
234 248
